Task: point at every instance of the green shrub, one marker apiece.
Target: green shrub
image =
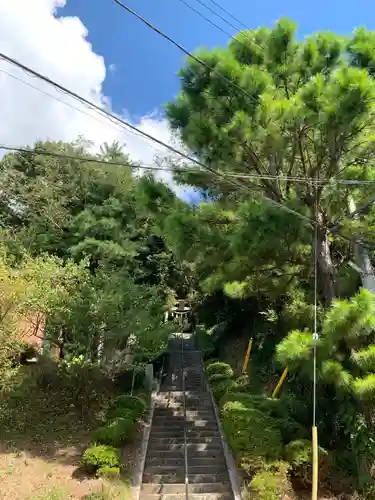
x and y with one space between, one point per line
221 387
95 496
108 472
134 403
218 376
247 400
123 378
100 456
299 455
219 368
115 432
242 383
299 452
271 483
205 343
127 413
145 396
252 435
290 429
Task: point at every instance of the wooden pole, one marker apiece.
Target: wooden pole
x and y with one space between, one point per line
247 356
315 464
282 378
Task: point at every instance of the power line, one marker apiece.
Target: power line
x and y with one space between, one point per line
92 105
223 19
159 142
136 166
56 98
86 159
216 25
51 95
208 20
243 176
185 51
230 15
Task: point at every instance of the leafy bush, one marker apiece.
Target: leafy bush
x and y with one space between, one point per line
252 435
95 496
242 383
299 455
288 427
108 472
221 387
115 432
124 377
85 385
100 456
127 413
271 483
247 399
135 403
205 343
219 368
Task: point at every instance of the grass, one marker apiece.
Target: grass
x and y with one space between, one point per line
52 494
106 491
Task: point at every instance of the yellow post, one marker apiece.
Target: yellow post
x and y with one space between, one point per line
247 357
314 492
282 378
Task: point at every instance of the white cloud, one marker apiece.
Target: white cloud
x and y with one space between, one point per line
112 68
58 48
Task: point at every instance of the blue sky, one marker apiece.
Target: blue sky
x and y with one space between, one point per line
146 65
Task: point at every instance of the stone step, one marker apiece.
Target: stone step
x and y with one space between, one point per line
201 425
172 454
214 454
178 461
165 432
171 489
208 478
174 469
204 440
208 469
165 441
172 418
192 496
170 478
206 461
197 434
162 445
163 478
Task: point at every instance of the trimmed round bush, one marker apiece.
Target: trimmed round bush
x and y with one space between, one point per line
108 472
219 368
115 432
299 455
271 484
127 413
221 387
253 436
100 456
218 376
246 399
135 403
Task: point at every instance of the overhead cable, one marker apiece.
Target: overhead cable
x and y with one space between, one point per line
174 150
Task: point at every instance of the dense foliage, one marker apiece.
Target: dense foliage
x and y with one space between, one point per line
100 252
94 227
290 123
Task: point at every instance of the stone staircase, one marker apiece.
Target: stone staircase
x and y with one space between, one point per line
185 458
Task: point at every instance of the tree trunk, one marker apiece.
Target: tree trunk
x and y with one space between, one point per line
326 270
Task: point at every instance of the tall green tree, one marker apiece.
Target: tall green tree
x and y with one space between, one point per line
295 109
